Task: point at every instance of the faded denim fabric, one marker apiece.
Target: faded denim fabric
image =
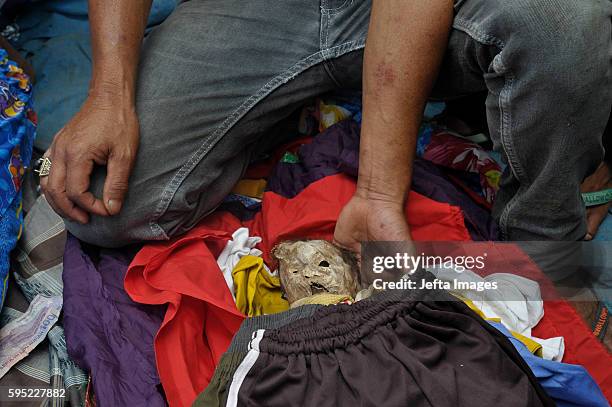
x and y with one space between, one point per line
218 75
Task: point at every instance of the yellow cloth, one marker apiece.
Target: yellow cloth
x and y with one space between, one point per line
257 291
323 299
532 345
253 188
331 114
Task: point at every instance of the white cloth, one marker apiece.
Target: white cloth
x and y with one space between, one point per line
517 302
552 349
241 245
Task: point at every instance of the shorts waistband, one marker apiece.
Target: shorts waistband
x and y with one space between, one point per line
337 326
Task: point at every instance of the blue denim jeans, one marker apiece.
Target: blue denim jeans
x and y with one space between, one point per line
218 75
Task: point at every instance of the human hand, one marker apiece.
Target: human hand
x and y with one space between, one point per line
368 219
104 132
598 181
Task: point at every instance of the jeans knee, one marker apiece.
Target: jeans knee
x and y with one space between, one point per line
560 47
573 36
88 234
112 232
587 42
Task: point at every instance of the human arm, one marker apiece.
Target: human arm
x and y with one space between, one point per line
405 47
105 130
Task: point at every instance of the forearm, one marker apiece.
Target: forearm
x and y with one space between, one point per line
117 29
406 43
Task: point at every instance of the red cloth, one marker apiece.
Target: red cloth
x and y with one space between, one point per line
184 274
202 318
581 346
560 318
313 214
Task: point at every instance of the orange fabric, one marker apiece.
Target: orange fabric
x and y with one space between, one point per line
253 188
202 318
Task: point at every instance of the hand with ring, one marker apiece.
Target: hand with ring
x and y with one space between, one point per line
104 132
43 167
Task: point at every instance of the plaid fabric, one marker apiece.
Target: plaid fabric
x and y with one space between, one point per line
37 269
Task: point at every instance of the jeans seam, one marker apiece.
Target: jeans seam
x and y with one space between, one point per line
506 141
326 23
328 11
324 33
474 32
210 141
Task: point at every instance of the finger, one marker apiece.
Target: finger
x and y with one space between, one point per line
116 183
597 180
44 186
56 189
77 187
341 245
52 204
595 216
43 181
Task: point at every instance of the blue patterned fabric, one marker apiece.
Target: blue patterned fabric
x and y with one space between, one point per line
17 130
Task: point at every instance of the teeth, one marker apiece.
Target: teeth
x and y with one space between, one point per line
317 288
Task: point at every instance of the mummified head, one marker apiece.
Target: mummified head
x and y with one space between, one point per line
309 267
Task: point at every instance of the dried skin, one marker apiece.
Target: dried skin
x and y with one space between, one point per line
314 266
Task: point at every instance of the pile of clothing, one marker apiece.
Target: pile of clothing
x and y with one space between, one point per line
210 318
204 318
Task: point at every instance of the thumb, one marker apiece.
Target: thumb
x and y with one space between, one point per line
116 183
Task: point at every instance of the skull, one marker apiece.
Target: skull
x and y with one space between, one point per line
310 267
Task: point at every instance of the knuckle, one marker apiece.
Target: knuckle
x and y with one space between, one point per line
71 151
53 191
72 195
124 154
59 154
55 194
74 150
119 186
90 149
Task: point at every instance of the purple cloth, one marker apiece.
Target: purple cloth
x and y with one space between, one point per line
333 151
106 332
336 150
428 179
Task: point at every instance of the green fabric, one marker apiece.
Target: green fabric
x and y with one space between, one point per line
597 198
218 388
290 158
